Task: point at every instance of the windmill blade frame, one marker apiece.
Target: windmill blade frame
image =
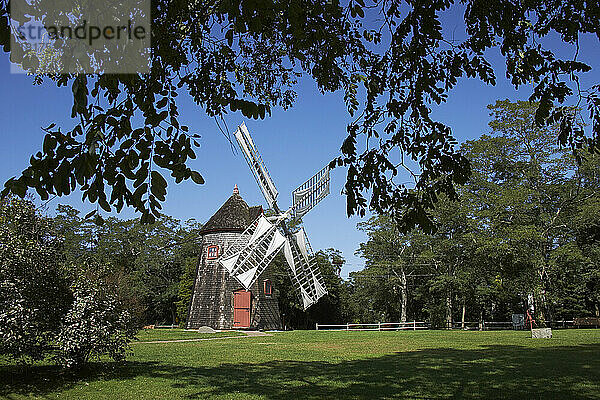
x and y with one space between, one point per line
306 196
303 270
256 164
246 263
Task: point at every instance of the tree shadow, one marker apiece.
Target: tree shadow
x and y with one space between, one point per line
489 372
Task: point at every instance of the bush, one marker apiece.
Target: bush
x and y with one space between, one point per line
34 294
97 324
38 310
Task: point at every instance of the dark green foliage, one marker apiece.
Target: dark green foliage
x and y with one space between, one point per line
147 260
393 61
525 226
97 323
186 287
40 315
331 308
34 291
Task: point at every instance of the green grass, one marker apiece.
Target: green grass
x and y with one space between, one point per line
149 335
333 365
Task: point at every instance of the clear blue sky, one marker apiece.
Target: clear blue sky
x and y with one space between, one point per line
294 145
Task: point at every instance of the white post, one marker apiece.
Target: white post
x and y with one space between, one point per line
317 326
347 327
378 326
414 325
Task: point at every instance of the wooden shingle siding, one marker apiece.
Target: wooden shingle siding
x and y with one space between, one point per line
212 303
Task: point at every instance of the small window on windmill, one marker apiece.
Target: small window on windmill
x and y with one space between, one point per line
268 289
212 252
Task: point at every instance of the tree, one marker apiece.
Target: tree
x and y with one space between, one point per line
586 228
40 315
331 308
393 61
146 261
96 324
186 289
391 260
427 274
531 186
34 291
526 226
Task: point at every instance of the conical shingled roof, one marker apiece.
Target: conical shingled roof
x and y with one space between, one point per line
233 216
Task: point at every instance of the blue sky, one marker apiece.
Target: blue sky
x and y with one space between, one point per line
294 144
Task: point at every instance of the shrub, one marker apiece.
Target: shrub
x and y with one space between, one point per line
97 324
34 294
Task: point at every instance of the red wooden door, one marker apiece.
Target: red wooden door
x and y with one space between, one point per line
241 309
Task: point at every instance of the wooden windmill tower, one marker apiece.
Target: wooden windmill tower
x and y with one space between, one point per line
219 300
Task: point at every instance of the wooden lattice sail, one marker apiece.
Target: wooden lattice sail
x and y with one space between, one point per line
246 263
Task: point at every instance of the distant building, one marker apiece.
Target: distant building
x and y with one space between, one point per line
219 300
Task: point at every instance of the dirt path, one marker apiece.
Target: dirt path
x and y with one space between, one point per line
248 334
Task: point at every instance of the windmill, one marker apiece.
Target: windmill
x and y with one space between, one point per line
266 237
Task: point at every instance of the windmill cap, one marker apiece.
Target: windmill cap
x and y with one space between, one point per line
233 216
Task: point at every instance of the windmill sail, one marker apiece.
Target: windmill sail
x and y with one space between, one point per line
303 271
247 263
289 256
256 164
302 242
248 259
310 193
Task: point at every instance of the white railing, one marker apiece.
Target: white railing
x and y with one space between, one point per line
415 325
467 325
380 326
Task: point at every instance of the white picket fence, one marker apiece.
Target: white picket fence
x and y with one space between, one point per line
380 326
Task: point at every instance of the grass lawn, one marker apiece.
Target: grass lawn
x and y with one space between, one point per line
331 365
150 335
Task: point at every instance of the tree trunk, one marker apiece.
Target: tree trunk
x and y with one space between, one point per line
464 311
403 295
449 311
531 302
541 301
481 319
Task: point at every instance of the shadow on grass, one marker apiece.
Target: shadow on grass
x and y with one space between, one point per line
488 372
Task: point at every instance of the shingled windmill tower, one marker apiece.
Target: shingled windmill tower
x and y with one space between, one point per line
219 300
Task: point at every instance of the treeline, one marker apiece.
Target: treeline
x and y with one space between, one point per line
524 235
153 265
